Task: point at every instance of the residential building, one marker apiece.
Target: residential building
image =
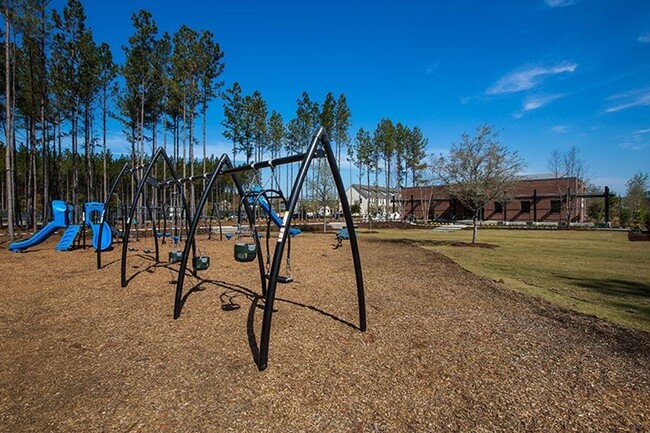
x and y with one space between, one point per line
373 200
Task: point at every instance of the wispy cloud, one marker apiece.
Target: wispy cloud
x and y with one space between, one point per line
217 148
538 101
629 145
636 141
560 3
560 129
431 67
633 98
528 78
644 38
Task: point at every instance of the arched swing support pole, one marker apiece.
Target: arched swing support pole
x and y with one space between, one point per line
105 215
153 227
160 153
224 163
319 138
250 213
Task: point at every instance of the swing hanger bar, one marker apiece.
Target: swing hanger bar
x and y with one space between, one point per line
136 168
272 162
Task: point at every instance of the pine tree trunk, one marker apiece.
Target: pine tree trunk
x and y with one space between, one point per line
191 151
184 136
29 132
164 198
59 173
88 153
46 174
205 150
385 212
104 162
9 124
154 143
75 165
33 172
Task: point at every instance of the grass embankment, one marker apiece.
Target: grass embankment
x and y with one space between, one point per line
599 273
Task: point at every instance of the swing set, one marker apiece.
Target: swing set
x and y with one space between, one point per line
246 250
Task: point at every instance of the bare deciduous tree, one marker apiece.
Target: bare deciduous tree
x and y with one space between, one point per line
571 173
479 170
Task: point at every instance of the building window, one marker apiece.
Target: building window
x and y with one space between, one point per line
498 207
556 206
525 206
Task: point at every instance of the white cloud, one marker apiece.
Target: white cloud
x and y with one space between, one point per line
117 144
560 129
628 145
641 131
538 101
216 148
528 78
644 38
559 3
432 67
633 98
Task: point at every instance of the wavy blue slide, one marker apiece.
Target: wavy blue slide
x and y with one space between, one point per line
38 237
275 217
94 211
60 211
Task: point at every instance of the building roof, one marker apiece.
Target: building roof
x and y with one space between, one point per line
375 193
538 176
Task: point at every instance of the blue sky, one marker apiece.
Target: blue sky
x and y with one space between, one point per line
549 74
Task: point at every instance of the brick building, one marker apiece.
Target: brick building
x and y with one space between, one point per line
536 198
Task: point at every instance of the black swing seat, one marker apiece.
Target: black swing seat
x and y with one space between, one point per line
282 279
201 263
175 256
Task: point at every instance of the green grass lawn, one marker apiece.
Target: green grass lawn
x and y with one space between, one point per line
599 273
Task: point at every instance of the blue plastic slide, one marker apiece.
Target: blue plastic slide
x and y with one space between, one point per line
275 217
107 236
38 237
94 211
61 212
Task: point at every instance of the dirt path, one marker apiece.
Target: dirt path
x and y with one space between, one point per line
445 350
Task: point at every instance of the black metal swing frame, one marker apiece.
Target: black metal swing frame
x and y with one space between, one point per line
145 180
319 147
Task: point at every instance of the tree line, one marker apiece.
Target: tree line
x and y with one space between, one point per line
61 88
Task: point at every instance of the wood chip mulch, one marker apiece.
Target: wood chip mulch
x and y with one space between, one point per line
445 350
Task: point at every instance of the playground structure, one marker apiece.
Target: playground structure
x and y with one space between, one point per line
319 147
63 218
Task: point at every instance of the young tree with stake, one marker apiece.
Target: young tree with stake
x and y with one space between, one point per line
479 170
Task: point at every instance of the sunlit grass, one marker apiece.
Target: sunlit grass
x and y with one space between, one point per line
599 273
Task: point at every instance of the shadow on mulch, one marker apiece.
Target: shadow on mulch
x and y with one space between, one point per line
230 302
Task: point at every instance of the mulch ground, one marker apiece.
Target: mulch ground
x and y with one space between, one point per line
445 350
